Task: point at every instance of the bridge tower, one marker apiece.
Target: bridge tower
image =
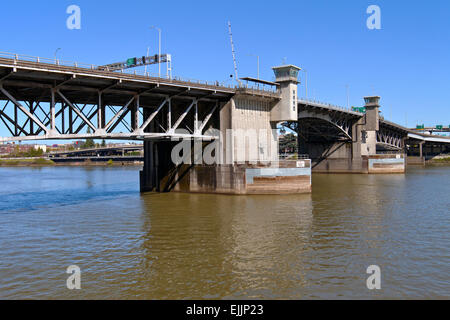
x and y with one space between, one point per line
367 133
286 108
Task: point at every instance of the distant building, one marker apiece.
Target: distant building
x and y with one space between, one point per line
10 148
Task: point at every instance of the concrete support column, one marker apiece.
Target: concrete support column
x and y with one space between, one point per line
356 139
148 173
159 171
421 149
158 166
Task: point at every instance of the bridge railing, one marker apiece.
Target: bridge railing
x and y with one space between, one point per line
330 106
58 62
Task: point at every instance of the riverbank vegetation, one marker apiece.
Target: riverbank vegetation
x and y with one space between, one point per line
25 162
441 160
32 153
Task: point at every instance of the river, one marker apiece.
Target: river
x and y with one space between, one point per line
192 246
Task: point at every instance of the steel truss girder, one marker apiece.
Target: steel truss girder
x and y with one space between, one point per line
338 120
53 122
390 138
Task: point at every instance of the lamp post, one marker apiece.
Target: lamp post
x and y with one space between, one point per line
159 54
56 51
148 52
348 95
257 58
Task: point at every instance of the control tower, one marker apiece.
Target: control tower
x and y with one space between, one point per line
286 109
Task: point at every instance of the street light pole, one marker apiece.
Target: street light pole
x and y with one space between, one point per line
306 83
56 51
159 54
148 52
258 66
348 96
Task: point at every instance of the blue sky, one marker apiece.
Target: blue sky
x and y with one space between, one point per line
406 63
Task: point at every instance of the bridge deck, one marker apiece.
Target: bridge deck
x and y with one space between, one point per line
80 81
47 99
328 107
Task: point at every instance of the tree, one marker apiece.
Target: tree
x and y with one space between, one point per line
89 142
103 143
288 143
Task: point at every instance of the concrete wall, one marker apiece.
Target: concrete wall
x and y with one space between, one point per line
387 164
288 178
342 165
286 109
334 150
369 143
391 163
415 161
365 133
248 133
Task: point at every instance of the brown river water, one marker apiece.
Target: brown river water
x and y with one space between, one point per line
192 246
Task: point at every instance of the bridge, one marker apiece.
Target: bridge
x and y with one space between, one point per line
98 152
44 100
431 130
49 101
336 137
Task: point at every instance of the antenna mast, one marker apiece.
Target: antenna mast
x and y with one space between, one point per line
234 53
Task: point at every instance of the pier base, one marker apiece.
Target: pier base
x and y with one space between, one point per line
161 175
388 163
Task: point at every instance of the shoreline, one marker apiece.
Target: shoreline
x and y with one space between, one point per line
46 162
43 162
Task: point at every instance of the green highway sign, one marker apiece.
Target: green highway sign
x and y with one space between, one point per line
131 62
359 109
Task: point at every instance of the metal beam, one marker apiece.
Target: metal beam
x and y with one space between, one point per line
153 115
80 114
31 116
118 114
208 117
181 118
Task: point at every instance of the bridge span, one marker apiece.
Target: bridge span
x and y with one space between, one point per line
42 100
338 139
45 101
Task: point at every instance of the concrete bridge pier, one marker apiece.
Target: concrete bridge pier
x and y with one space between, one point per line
364 137
347 141
157 164
247 161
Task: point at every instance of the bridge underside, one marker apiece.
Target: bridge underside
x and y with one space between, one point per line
334 139
391 138
424 150
55 102
321 139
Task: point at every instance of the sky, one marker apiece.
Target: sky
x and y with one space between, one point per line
406 62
